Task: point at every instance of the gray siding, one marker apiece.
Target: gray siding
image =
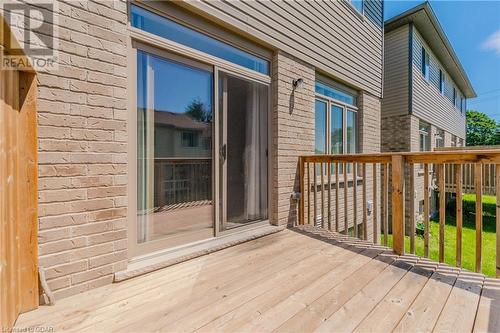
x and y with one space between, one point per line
396 49
329 35
427 102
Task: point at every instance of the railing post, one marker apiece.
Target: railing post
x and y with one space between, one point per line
398 204
302 191
497 190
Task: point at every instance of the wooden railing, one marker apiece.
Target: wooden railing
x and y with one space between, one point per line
331 199
182 180
468 179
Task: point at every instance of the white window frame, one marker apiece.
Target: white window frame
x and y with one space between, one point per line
439 138
360 12
442 82
426 134
425 65
345 108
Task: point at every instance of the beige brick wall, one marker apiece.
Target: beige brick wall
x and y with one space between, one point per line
292 132
82 149
370 142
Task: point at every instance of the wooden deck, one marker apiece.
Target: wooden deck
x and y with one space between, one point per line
298 280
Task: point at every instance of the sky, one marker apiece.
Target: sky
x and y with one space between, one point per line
473 28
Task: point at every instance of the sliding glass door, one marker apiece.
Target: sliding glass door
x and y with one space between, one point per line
243 112
176 161
200 153
174 149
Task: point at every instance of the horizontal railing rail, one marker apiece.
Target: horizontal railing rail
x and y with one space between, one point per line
350 194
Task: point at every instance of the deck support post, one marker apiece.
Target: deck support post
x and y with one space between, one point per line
398 204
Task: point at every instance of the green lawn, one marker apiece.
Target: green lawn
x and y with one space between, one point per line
468 235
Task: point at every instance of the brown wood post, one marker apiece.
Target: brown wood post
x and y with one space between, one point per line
398 204
302 190
412 207
478 185
458 191
376 230
497 189
426 210
442 210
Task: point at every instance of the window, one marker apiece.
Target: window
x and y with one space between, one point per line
320 127
425 64
441 81
351 132
337 128
440 138
460 142
358 4
424 130
163 27
454 97
189 139
425 143
170 163
453 140
328 91
421 207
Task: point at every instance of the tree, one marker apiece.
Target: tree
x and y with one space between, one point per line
196 110
481 129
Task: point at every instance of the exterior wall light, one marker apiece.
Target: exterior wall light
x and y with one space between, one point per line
298 84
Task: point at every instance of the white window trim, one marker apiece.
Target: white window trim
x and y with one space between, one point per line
442 82
345 108
425 54
361 13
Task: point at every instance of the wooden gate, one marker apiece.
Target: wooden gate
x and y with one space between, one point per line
18 195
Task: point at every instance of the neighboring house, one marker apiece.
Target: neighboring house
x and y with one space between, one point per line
276 79
425 89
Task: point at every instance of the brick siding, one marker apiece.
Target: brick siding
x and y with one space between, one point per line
83 149
292 132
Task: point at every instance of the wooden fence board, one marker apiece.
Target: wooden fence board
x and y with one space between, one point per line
18 195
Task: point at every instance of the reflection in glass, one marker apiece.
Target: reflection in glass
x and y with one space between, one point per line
331 92
243 115
163 27
350 136
336 130
174 157
336 133
358 4
320 127
351 132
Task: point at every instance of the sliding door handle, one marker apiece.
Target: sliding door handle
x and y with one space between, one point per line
223 153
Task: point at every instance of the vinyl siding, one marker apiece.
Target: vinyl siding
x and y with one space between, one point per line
330 35
428 103
396 49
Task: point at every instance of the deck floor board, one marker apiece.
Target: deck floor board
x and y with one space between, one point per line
299 280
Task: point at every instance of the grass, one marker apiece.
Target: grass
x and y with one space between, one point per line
468 235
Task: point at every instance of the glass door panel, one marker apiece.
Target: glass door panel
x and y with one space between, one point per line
243 151
174 150
336 133
320 126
